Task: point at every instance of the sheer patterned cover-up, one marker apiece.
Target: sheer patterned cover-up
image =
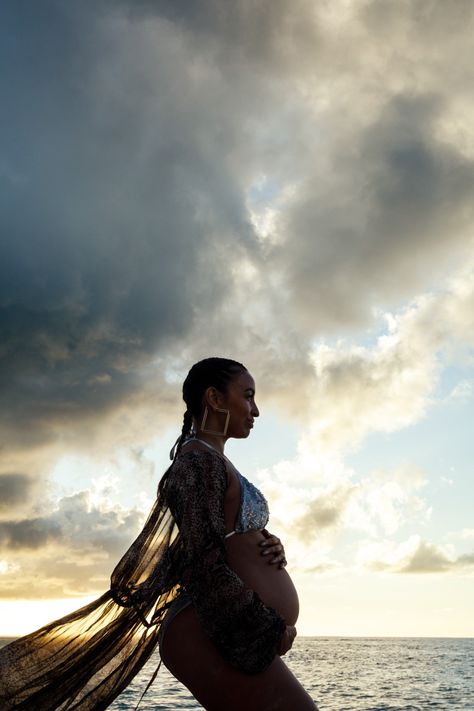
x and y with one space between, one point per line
84 660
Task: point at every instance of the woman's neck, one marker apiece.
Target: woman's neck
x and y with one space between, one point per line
217 443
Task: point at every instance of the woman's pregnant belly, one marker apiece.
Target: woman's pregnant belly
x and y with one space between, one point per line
273 584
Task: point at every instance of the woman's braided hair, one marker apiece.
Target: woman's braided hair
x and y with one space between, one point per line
210 372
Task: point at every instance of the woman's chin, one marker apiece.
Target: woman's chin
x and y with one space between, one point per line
242 435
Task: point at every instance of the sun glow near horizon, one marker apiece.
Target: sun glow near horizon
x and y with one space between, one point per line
19 617
362 606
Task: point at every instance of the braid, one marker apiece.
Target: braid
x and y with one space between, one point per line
186 429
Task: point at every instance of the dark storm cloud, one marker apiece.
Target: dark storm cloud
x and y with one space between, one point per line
395 196
15 489
134 138
32 533
108 206
425 22
271 33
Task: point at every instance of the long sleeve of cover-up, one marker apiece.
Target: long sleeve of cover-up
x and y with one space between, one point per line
245 631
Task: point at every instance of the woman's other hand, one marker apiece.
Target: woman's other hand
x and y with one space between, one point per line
287 640
273 547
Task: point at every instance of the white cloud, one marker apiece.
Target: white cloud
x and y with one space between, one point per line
462 391
388 385
413 555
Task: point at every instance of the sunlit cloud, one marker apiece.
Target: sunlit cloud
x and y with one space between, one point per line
415 556
70 549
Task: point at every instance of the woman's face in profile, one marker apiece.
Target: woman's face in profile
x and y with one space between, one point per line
240 401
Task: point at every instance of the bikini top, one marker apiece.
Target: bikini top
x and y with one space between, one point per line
253 513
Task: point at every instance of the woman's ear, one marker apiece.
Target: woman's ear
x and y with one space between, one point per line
212 397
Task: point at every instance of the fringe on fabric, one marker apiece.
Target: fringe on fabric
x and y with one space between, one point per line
84 660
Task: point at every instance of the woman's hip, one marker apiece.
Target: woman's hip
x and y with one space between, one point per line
191 656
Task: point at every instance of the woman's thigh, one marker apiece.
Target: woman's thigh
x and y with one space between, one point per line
192 658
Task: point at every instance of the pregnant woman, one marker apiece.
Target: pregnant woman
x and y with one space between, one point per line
204 579
224 634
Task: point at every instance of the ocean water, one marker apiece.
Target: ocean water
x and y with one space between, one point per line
349 674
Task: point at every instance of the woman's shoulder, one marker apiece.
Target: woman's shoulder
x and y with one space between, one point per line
194 461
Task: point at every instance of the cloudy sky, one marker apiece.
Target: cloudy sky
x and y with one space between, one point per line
287 183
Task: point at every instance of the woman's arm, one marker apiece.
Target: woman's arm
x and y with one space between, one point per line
247 633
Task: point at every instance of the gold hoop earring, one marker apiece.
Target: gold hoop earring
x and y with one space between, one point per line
212 432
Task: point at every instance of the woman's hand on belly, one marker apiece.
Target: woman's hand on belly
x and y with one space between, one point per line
271 582
273 547
287 640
